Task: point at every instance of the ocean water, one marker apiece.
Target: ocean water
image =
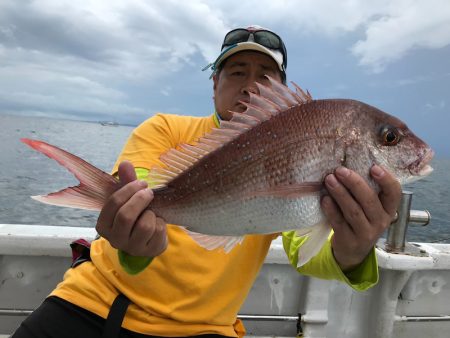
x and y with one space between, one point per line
25 172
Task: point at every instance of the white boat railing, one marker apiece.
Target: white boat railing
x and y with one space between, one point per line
412 298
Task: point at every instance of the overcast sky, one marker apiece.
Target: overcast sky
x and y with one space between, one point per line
124 60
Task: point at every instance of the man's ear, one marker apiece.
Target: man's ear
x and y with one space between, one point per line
215 81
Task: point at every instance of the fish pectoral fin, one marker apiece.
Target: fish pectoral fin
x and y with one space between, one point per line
210 242
317 236
304 231
294 190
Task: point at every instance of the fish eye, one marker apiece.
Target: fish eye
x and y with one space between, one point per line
390 136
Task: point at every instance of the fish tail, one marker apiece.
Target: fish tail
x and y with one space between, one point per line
95 185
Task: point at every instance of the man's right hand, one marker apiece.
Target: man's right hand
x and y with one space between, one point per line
125 220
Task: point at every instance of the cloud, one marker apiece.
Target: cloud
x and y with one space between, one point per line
132 35
391 29
65 55
61 55
401 28
440 105
166 90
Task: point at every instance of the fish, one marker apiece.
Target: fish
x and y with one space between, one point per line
263 171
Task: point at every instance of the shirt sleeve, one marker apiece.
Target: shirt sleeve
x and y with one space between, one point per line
324 265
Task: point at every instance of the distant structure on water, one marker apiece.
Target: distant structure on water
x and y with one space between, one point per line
109 123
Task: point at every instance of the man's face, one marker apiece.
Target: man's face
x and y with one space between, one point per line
237 78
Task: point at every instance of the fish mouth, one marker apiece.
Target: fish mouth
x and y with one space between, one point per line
421 167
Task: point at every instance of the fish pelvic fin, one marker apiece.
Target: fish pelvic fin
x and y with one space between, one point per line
209 242
95 185
316 237
270 101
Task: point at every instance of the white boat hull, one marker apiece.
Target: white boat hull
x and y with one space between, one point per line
412 298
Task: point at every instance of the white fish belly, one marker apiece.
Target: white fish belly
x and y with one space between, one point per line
257 215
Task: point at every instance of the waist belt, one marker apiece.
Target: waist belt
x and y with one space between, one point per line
115 317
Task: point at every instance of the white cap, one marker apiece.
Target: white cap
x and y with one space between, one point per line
250 44
276 55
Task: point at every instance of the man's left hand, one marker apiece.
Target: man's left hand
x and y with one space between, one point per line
358 215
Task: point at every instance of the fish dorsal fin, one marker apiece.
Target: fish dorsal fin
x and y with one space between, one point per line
270 101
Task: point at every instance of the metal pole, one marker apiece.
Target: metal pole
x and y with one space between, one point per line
269 318
15 312
417 319
421 217
396 236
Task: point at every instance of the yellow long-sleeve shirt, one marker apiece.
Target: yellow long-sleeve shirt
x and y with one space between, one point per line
187 290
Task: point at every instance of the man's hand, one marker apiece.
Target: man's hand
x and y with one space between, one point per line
125 220
358 215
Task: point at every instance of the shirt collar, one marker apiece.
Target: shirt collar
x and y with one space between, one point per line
217 119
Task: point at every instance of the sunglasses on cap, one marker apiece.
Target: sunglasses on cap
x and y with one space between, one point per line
262 37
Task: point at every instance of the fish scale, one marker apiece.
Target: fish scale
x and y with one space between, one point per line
283 161
262 171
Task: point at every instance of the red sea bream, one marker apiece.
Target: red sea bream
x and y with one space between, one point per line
263 171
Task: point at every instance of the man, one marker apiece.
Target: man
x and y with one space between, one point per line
175 287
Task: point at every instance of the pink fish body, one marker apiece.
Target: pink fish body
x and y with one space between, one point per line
261 172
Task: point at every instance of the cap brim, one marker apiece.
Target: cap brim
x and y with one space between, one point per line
243 46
